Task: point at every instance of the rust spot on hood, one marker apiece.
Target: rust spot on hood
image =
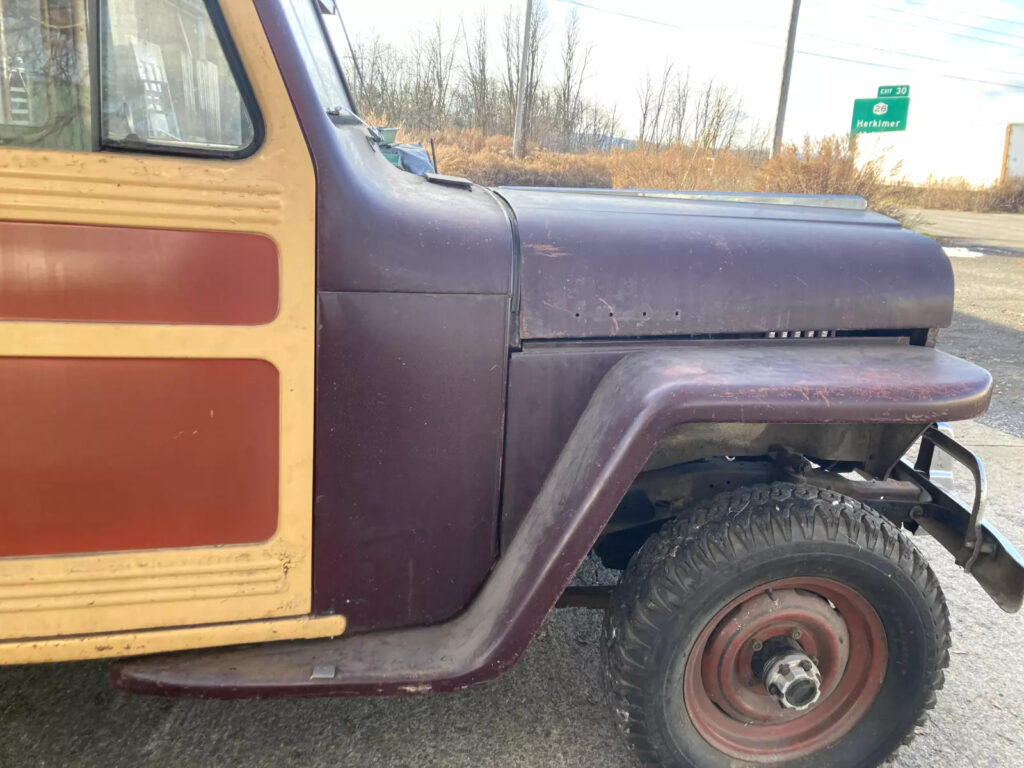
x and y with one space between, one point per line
545 249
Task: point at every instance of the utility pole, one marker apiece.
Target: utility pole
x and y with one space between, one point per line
519 134
787 68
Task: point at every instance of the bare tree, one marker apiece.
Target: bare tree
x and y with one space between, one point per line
538 31
645 95
660 104
511 43
759 139
599 127
716 117
438 59
382 91
475 75
653 96
437 81
575 61
678 110
510 46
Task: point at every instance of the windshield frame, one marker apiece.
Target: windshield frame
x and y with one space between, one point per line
320 9
336 51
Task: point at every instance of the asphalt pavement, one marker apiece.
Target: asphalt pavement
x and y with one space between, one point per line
999 231
549 710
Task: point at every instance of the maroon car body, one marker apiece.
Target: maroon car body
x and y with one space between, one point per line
497 369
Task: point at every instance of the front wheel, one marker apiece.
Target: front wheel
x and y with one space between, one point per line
795 628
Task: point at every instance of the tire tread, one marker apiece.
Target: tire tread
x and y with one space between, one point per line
717 531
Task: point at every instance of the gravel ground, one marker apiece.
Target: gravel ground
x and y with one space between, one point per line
987 329
549 710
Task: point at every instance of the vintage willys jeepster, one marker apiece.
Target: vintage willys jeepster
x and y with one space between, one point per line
280 419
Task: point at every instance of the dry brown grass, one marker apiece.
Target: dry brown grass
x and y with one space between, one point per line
956 194
488 160
680 167
828 166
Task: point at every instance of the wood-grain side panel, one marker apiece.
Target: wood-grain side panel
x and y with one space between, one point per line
100 455
136 275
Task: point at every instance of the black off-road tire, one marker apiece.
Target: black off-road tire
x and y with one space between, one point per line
723 547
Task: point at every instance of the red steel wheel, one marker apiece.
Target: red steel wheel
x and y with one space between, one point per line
729 703
776 625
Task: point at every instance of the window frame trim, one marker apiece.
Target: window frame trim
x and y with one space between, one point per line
234 60
92 40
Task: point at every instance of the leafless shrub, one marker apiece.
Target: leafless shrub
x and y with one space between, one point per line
957 194
829 166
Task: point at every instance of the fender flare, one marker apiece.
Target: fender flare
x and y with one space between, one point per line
640 398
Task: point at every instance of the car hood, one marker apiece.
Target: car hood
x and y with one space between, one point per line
605 264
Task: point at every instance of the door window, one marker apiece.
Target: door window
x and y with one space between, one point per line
45 97
166 80
166 84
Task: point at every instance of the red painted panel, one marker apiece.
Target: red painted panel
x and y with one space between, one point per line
115 454
131 275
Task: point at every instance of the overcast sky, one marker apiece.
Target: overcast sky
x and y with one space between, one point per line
963 61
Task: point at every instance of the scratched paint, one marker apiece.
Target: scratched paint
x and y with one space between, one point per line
604 266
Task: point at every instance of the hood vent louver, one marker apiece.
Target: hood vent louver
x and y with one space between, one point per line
800 334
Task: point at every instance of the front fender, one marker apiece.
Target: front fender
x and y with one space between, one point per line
639 399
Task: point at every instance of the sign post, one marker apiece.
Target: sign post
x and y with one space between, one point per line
880 115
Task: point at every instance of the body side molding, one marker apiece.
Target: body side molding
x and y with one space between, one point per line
640 398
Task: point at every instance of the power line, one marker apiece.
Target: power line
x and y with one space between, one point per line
885 50
1017 86
961 24
815 54
662 23
950 22
624 15
978 15
670 25
904 54
1005 21
960 35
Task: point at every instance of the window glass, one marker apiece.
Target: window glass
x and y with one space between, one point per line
44 74
166 81
318 58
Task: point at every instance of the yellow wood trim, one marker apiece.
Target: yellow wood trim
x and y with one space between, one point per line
79 647
139 597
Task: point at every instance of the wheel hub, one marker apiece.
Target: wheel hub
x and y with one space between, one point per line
789 674
785 670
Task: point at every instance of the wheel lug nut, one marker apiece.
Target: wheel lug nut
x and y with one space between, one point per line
796 634
784 669
758 645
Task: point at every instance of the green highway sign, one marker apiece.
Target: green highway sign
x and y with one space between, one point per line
880 115
893 90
